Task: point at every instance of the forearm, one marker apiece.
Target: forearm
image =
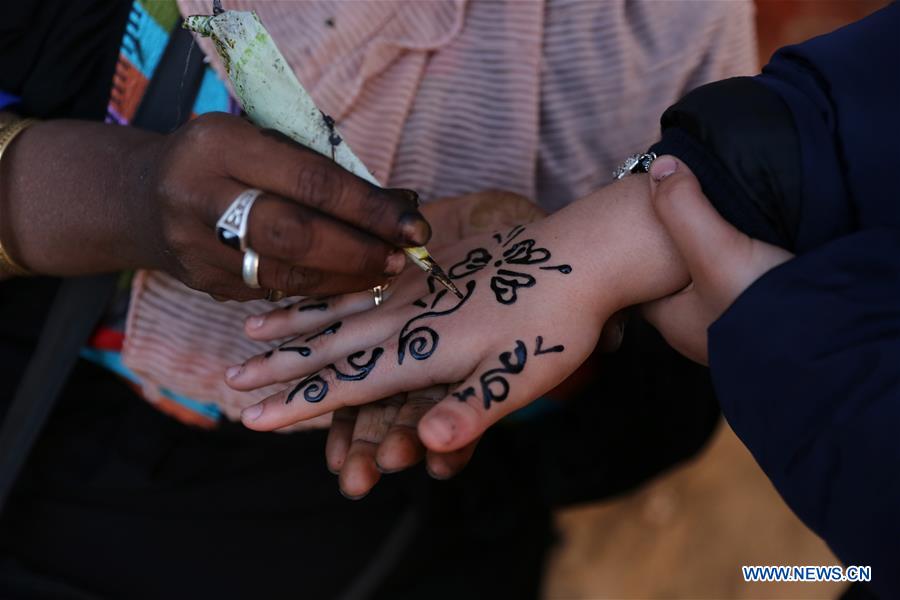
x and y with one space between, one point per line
66 197
627 257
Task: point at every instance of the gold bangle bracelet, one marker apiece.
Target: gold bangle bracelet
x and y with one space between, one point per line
7 134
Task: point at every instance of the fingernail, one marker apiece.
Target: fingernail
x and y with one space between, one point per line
255 322
439 428
349 497
414 228
395 262
251 413
234 371
384 470
434 475
410 196
662 167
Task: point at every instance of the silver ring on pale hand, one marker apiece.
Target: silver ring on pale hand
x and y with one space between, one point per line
231 228
378 294
250 269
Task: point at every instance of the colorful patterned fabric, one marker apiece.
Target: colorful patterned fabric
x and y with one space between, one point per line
146 35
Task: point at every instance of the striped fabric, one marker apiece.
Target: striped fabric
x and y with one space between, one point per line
540 97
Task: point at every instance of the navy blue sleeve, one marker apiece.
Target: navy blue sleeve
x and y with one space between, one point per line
806 363
802 153
806 366
843 92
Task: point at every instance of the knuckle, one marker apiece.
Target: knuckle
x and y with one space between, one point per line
201 131
294 278
377 210
314 186
290 236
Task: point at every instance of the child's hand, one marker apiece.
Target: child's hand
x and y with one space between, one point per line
722 261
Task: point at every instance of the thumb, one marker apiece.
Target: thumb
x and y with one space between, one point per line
697 229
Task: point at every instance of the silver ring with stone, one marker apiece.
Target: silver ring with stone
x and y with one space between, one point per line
231 228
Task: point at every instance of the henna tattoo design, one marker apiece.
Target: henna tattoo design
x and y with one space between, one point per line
474 261
362 370
301 350
509 278
506 285
421 342
494 385
330 330
524 253
420 303
314 389
465 394
437 297
494 377
318 306
513 233
539 347
564 269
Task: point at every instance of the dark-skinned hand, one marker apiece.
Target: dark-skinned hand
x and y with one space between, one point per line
79 198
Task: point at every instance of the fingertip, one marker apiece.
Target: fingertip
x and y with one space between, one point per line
437 430
357 477
398 451
251 414
254 322
350 496
663 167
235 377
233 372
446 428
336 448
439 467
414 229
394 263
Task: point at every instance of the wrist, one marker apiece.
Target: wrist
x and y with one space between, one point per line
621 249
69 199
11 126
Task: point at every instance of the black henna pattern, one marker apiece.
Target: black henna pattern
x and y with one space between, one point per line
362 370
421 342
314 389
539 347
465 394
301 350
330 330
490 380
509 277
494 384
317 306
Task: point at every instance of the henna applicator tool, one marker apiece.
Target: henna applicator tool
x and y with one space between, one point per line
273 98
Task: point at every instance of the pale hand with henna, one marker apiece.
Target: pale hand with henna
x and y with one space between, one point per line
380 437
535 300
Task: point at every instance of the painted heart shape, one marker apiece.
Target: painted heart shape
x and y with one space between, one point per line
506 285
474 261
524 253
